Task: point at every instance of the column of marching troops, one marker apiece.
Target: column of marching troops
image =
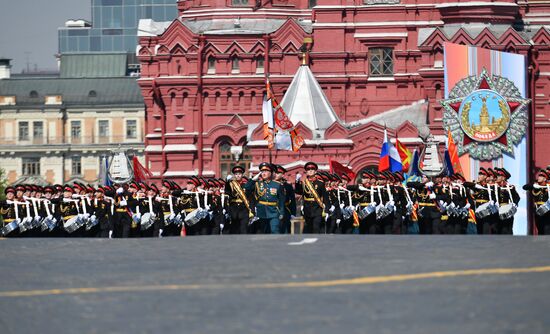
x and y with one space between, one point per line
380 203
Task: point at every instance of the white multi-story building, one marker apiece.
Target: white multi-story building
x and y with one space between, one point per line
57 128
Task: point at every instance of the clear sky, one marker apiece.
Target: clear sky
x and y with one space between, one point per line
28 30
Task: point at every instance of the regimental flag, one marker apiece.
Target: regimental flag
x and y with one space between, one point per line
404 154
279 131
413 174
356 222
141 174
338 168
389 157
267 113
103 172
472 222
453 154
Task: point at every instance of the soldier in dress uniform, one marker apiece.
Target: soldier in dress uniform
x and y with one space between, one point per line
122 219
457 202
540 191
136 195
217 206
362 197
69 209
8 212
335 218
165 198
507 194
240 208
429 214
481 194
400 203
345 201
270 200
101 209
148 204
290 199
315 198
184 201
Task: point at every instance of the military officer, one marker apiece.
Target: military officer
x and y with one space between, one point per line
240 209
315 198
270 200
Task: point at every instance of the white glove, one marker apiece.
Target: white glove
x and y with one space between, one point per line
429 184
298 177
331 209
441 203
326 217
390 203
223 211
172 216
292 217
229 177
120 190
432 196
93 217
160 233
123 203
75 196
342 205
207 207
467 206
111 234
338 221
256 177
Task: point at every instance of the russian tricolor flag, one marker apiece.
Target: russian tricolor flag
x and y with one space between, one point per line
389 157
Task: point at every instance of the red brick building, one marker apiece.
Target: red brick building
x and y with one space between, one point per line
379 62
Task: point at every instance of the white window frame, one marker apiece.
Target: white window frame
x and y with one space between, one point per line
126 129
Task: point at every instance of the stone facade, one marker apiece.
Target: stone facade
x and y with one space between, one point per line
378 62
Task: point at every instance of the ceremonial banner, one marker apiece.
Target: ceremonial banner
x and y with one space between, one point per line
338 168
404 154
389 157
486 113
278 129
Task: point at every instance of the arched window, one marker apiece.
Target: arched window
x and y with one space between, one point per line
33 94
92 93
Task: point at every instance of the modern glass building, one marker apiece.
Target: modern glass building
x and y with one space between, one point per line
114 25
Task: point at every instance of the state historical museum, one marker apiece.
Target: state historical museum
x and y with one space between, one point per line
371 64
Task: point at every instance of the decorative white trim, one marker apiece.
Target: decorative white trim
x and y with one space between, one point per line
180 148
475 3
377 24
380 34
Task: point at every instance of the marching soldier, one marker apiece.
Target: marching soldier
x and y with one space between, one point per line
290 199
429 214
481 193
101 209
508 196
363 199
345 203
270 200
240 209
149 205
540 191
9 213
315 198
69 210
122 219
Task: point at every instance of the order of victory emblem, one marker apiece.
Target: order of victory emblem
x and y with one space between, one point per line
486 115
